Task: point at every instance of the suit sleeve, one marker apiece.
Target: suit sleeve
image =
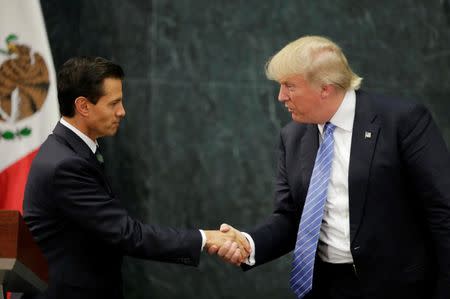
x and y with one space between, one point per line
81 197
277 235
428 164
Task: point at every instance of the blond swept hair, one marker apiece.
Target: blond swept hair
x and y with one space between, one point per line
316 58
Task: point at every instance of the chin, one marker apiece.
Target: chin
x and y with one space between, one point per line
110 133
298 119
114 132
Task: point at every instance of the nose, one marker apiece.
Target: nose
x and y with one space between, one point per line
121 111
282 95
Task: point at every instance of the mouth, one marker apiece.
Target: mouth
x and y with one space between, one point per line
289 108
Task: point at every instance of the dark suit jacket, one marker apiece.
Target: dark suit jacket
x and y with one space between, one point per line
399 199
82 228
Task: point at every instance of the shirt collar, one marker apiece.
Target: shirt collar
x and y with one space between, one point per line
91 143
344 116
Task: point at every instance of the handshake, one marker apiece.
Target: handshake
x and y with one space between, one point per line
229 244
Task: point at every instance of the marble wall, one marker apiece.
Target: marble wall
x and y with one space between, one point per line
197 147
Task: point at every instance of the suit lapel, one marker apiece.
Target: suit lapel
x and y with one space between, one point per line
364 140
302 162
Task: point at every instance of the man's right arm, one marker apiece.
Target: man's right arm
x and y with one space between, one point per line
277 235
82 198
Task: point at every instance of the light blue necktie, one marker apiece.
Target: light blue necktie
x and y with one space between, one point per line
309 228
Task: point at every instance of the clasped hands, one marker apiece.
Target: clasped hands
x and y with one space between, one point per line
228 243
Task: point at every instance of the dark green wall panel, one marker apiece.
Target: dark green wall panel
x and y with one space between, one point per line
197 147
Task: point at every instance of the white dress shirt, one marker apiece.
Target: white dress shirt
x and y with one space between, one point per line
334 239
89 142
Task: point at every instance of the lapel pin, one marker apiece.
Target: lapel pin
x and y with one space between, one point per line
367 135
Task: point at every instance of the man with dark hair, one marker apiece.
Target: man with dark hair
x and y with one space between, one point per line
84 76
70 206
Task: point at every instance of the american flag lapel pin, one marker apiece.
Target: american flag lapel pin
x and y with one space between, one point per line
367 135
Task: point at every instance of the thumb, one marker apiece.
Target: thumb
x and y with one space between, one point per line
213 249
225 228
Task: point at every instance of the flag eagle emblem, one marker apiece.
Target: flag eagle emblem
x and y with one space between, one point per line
24 84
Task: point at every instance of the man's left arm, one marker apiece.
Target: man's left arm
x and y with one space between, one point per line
428 165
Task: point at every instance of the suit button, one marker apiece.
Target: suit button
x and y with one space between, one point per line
356 248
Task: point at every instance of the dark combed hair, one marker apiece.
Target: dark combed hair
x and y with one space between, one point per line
83 76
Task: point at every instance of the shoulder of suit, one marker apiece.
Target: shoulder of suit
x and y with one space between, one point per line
389 103
56 157
394 112
294 131
294 126
54 151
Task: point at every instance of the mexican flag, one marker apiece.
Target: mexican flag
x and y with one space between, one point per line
28 98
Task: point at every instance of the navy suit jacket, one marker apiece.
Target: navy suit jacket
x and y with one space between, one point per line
83 230
399 198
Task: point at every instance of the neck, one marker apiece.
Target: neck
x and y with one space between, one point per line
81 126
334 102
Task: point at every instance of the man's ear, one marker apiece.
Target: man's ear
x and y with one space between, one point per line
326 90
82 106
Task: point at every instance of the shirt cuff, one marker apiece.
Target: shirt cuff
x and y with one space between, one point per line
251 259
203 239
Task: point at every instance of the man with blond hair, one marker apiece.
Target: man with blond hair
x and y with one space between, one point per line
362 190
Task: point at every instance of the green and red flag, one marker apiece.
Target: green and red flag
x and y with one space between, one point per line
28 99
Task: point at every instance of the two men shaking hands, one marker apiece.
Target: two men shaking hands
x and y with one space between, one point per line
361 195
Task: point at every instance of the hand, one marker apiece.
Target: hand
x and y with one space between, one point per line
233 251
